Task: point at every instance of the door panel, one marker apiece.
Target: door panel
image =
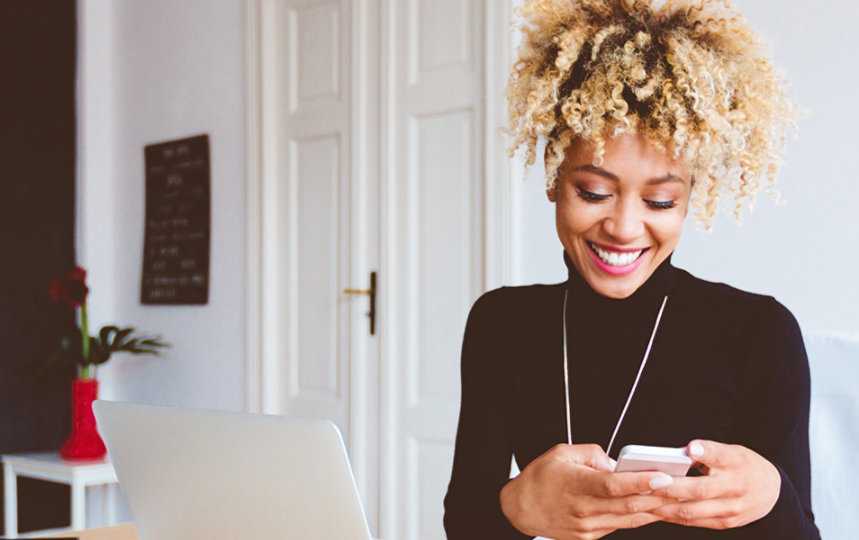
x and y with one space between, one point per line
316 162
315 42
441 32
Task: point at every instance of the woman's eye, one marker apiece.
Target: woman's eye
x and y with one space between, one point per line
590 196
660 205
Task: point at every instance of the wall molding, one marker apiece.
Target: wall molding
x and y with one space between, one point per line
254 361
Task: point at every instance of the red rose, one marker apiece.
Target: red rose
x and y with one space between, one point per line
70 288
77 273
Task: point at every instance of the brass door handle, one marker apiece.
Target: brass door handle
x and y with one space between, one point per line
371 292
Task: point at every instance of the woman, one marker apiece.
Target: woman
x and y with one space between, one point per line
646 110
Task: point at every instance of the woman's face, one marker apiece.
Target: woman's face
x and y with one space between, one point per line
620 221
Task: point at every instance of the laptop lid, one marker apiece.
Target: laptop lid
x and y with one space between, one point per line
189 473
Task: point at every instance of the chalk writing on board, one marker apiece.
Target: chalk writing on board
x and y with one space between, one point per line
177 228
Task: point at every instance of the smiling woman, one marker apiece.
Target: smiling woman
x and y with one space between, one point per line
647 109
618 222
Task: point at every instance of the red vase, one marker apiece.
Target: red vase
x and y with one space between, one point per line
84 442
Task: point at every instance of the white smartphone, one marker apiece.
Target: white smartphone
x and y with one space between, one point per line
636 457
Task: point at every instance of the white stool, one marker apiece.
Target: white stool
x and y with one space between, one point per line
51 467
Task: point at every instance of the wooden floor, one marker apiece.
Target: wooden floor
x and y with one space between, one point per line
119 532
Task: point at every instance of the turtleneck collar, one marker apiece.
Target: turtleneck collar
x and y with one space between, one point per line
591 309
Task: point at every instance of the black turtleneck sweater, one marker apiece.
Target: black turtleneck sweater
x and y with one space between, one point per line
726 365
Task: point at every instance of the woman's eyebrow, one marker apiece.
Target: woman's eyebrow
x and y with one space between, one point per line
597 170
664 179
668 177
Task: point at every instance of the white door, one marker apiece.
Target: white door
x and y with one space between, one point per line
376 153
435 143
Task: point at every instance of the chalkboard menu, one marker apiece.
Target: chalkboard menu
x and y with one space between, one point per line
176 241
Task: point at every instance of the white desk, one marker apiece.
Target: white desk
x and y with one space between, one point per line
51 467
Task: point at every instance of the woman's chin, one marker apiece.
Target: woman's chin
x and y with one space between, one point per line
617 286
614 289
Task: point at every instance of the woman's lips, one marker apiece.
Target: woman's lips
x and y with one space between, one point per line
616 261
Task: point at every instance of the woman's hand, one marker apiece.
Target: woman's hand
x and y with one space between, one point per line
570 492
739 486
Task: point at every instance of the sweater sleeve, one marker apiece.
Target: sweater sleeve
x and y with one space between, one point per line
773 421
481 463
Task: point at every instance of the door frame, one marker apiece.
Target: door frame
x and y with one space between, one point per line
262 317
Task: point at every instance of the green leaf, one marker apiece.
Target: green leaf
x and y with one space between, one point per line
153 342
110 339
98 352
153 352
122 335
105 333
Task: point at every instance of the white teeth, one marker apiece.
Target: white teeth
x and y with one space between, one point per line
614 258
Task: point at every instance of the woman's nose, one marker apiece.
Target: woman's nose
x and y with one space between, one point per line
624 224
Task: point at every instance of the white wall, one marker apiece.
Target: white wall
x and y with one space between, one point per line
150 71
156 70
805 253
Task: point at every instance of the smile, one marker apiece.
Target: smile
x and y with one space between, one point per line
616 262
616 259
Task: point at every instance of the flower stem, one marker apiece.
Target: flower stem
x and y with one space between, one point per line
85 371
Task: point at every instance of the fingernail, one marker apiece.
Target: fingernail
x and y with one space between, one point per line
613 464
661 481
696 450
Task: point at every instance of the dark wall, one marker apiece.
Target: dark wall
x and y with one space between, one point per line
37 203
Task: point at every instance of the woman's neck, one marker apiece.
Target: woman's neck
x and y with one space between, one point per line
587 308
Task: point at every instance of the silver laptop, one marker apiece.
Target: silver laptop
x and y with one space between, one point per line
193 474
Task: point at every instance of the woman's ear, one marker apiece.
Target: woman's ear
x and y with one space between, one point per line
551 193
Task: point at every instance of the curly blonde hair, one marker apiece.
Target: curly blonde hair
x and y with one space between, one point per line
690 76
